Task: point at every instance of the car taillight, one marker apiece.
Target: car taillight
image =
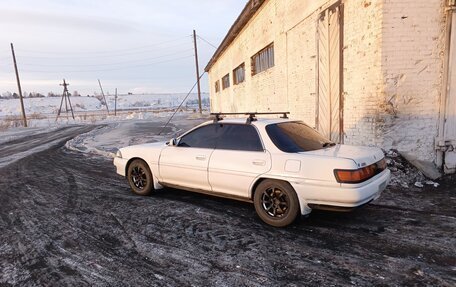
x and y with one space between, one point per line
359 175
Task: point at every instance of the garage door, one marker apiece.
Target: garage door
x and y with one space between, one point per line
329 103
450 111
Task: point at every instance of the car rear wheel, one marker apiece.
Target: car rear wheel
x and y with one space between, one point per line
276 202
140 177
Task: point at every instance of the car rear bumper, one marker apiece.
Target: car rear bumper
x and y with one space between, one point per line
343 196
120 164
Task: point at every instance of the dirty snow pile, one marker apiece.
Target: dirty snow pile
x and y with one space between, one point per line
106 140
403 174
17 133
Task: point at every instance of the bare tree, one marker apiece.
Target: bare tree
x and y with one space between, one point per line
7 95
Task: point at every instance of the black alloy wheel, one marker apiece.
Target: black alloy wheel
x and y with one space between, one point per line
140 178
276 202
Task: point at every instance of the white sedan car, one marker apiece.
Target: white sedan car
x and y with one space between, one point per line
284 167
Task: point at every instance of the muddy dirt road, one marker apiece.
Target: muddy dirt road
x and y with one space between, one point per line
66 219
23 146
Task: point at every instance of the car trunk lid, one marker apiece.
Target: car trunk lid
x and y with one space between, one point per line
362 156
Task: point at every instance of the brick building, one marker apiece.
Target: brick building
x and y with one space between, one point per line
362 72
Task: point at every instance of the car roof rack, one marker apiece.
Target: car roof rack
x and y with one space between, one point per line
252 115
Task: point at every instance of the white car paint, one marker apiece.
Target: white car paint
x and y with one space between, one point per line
185 166
234 173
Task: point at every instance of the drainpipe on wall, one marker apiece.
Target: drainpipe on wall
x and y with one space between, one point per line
440 141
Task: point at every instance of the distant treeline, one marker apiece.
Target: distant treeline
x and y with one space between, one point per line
9 95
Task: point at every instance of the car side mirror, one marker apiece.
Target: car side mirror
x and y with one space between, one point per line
173 142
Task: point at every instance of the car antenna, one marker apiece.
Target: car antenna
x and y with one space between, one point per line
194 85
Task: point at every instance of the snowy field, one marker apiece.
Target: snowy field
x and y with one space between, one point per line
42 112
50 105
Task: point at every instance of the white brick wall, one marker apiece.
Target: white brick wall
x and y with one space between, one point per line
392 69
362 70
412 67
301 60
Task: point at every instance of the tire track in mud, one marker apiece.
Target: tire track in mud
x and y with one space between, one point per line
67 219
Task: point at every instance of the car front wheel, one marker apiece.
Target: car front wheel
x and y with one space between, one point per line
140 177
276 202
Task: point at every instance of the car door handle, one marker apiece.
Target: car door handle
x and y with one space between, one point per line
201 157
259 162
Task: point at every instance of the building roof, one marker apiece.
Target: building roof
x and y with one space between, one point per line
247 13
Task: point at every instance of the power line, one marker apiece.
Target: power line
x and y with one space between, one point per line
177 109
111 69
201 38
96 56
109 64
102 52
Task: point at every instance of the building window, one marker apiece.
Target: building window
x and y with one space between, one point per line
226 81
239 74
263 60
217 86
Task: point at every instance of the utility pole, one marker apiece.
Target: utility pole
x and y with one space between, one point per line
24 118
197 72
106 102
115 104
66 96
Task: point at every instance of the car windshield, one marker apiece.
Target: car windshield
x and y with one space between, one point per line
296 137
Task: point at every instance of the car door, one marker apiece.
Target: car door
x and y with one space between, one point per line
238 159
185 165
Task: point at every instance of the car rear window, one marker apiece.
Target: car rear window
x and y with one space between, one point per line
296 137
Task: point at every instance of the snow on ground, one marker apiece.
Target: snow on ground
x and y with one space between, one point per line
42 112
153 100
13 134
50 105
113 132
34 141
106 140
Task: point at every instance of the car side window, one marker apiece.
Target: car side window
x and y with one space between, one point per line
239 137
203 137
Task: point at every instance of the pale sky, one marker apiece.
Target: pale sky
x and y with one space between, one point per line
133 45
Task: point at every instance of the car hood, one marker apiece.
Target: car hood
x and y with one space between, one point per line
361 155
156 144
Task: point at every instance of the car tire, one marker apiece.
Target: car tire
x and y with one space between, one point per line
140 177
276 202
